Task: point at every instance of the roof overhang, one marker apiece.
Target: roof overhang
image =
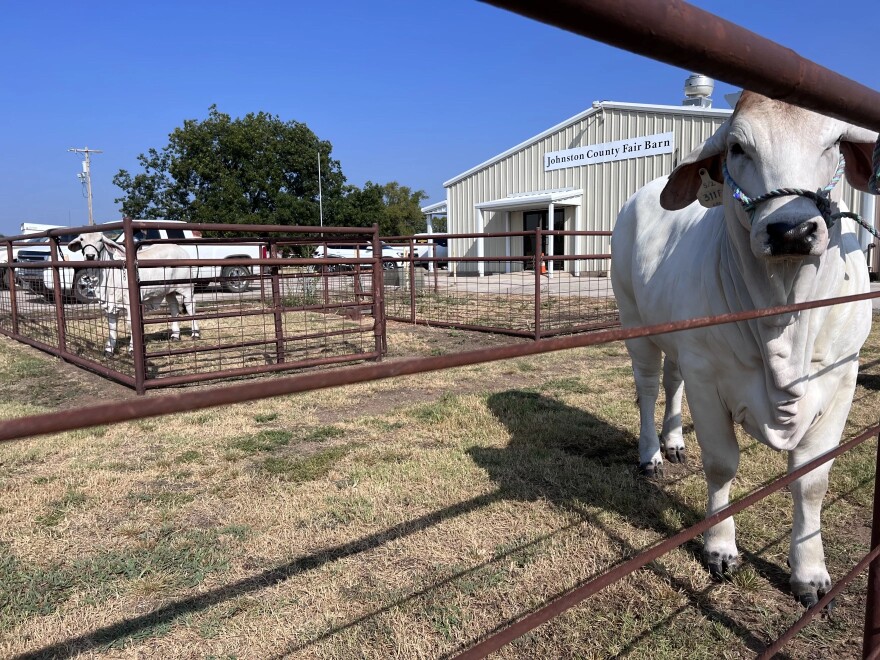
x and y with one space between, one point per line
538 198
435 208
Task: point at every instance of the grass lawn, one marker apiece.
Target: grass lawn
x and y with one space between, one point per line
399 519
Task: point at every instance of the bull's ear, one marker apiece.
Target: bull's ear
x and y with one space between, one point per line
75 245
857 146
116 250
684 183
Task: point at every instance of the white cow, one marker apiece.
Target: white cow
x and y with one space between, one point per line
788 380
157 284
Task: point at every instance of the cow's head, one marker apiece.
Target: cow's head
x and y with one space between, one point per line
769 145
92 244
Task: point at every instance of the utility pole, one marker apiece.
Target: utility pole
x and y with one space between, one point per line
320 196
86 175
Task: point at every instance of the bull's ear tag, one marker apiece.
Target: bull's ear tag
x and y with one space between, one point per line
710 190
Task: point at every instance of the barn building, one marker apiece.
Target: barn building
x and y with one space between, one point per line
579 173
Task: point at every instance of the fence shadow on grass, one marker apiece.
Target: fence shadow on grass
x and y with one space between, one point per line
572 458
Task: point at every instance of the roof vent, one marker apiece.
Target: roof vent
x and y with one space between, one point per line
697 89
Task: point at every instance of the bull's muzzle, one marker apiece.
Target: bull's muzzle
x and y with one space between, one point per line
792 237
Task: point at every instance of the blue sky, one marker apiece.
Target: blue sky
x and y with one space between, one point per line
414 92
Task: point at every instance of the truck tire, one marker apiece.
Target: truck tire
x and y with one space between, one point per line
85 285
235 278
5 274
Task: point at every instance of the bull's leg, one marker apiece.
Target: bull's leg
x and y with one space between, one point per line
174 308
112 334
671 437
130 327
806 556
720 453
646 362
190 302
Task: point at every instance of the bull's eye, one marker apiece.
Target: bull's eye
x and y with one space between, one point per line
736 149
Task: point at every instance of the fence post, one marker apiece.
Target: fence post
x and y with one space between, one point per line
871 640
135 308
411 276
378 280
58 296
539 261
277 306
9 274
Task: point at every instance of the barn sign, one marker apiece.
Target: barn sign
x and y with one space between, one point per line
646 145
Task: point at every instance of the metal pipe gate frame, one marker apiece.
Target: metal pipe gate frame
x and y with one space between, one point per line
682 35
665 31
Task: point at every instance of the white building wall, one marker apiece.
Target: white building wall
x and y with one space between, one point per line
605 186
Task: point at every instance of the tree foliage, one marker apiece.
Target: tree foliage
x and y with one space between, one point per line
259 170
395 208
255 170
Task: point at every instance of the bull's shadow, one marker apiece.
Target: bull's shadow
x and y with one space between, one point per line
567 455
578 461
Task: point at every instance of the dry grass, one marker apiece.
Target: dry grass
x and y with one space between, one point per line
396 519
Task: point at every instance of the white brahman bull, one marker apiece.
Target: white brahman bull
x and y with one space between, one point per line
788 380
157 284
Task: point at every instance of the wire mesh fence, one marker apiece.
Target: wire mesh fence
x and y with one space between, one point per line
291 302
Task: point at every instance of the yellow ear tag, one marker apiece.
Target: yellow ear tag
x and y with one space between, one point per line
710 190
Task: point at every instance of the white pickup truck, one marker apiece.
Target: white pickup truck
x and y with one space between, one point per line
78 282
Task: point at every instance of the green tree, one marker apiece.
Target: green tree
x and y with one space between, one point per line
403 209
256 170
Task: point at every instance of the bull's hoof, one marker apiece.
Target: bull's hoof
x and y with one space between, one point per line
673 454
676 455
811 599
809 593
108 353
651 470
721 566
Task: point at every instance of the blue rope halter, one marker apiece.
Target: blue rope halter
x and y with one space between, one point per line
821 198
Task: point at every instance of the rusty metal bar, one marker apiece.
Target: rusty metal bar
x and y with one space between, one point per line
510 332
277 314
13 287
584 591
539 262
263 342
170 381
819 607
75 359
108 413
135 309
378 282
58 299
682 35
871 638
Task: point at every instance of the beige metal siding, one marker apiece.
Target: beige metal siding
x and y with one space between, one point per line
605 186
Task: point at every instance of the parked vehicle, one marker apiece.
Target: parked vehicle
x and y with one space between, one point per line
80 282
358 251
31 249
428 246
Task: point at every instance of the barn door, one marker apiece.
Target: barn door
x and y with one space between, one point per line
534 219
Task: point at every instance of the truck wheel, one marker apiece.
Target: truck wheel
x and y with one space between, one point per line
235 278
5 274
85 285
